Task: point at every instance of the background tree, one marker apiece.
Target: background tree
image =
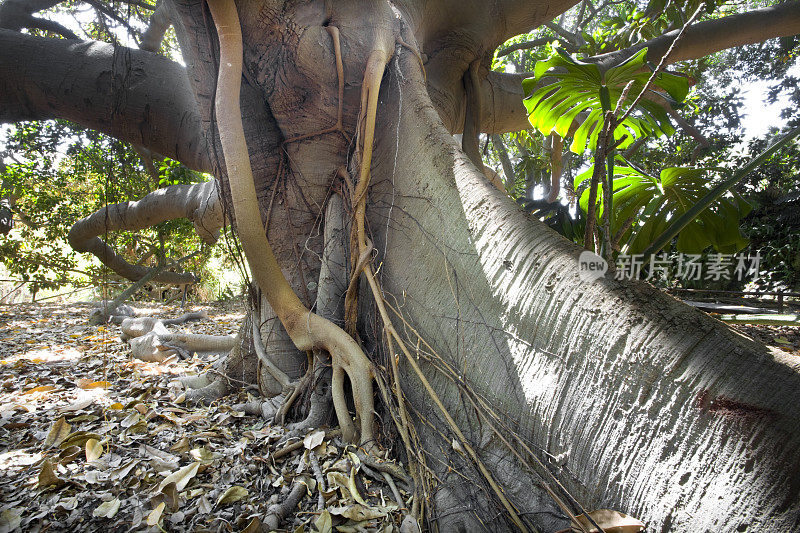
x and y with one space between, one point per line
58 173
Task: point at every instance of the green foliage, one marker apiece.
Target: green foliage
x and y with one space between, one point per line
578 89
629 24
655 202
60 173
556 216
774 230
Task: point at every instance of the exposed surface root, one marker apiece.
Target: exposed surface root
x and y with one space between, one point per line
278 512
209 393
155 346
266 408
150 340
115 316
136 327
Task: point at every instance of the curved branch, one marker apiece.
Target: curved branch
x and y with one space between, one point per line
198 202
156 29
132 95
502 106
527 45
711 36
18 14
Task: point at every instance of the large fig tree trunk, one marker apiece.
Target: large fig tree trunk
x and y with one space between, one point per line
633 400
649 406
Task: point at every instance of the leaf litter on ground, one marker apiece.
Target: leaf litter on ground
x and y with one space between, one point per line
91 440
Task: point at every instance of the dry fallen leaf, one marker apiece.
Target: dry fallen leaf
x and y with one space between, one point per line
324 522
181 478
233 494
78 405
359 512
155 515
611 521
69 454
79 438
254 526
97 385
58 433
107 509
170 496
10 519
93 450
40 388
351 486
313 440
47 476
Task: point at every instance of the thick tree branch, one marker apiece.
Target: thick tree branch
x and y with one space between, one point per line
132 95
522 16
536 43
18 14
573 38
711 36
502 95
157 28
503 110
51 26
198 202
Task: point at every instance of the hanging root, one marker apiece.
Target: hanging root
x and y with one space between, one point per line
307 330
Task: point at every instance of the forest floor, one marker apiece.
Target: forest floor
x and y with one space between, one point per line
91 440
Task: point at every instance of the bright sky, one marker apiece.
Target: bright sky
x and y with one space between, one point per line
759 115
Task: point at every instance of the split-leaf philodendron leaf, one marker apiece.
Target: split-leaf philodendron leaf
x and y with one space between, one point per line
574 96
654 203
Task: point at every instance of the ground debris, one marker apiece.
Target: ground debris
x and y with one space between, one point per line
92 440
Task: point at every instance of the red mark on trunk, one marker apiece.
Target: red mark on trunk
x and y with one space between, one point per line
722 405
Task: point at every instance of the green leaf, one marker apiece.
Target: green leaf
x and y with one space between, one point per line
575 93
655 202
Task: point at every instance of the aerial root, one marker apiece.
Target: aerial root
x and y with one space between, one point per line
307 330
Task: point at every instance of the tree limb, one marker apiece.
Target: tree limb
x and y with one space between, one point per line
132 95
157 28
710 36
527 45
198 202
503 110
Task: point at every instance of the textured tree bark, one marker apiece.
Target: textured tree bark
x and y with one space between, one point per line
129 94
654 408
650 407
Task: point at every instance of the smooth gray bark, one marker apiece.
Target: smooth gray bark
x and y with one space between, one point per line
656 409
199 202
133 95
